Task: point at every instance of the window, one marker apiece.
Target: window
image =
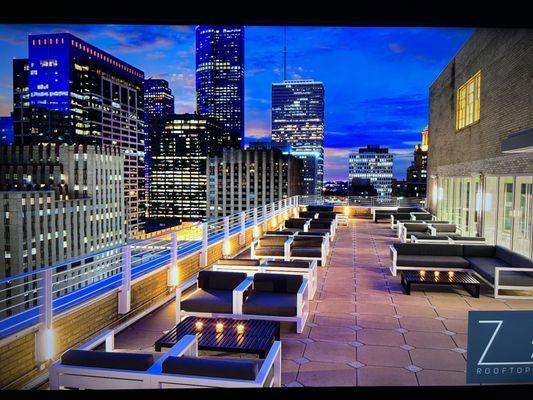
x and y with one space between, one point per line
467 111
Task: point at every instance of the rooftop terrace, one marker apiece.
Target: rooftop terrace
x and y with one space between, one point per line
363 330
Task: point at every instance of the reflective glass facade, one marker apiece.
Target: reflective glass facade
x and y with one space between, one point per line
373 163
298 118
220 78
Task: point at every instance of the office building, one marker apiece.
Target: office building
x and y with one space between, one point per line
220 79
69 91
373 163
284 147
481 163
417 171
298 118
59 202
158 99
243 179
6 130
178 147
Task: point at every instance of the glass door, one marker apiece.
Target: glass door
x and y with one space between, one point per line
491 209
478 206
523 215
505 212
465 206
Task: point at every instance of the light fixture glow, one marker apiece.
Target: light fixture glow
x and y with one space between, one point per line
240 329
199 325
219 327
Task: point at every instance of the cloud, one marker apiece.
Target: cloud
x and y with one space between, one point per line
156 55
396 48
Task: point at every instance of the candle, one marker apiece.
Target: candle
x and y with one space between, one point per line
219 327
450 274
422 274
240 329
437 274
199 325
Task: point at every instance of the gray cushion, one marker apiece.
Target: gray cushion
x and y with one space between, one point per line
504 254
320 225
238 261
290 264
277 283
267 303
270 251
445 227
518 260
311 252
409 209
221 367
428 249
401 216
285 232
424 236
219 280
432 261
215 301
317 230
307 214
314 233
419 228
423 217
306 241
111 360
484 266
478 250
274 241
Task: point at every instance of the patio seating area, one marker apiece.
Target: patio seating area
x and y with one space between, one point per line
362 329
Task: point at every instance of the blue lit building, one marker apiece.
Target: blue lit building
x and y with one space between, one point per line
220 78
298 118
69 91
158 99
6 130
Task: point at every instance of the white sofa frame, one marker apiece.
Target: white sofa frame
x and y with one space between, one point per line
497 271
255 242
324 249
450 240
373 211
311 273
68 376
302 305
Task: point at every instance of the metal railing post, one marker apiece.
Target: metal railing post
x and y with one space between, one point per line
203 253
265 217
255 231
242 236
44 338
173 275
226 246
124 293
296 207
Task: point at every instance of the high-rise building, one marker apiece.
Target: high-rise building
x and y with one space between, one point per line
59 202
417 171
298 118
69 91
6 130
158 99
480 168
220 79
244 179
284 147
178 147
373 163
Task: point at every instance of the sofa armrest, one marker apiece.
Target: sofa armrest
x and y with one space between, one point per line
271 362
306 226
107 336
253 246
432 230
238 294
287 248
497 285
186 346
301 297
394 255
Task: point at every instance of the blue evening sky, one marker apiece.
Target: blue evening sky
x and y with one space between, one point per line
376 79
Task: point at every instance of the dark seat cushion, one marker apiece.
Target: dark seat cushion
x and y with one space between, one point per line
306 241
229 368
270 251
273 241
427 249
238 261
290 264
111 360
270 303
320 208
320 225
450 228
215 301
220 280
423 216
277 283
285 232
307 214
425 236
314 233
432 261
317 230
328 215
485 266
306 252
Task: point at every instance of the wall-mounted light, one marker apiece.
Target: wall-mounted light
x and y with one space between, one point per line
227 247
173 275
256 232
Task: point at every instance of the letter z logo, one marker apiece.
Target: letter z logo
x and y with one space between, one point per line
499 324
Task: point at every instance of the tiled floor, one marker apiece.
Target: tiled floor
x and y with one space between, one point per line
363 330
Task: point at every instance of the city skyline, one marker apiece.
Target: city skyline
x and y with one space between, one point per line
359 111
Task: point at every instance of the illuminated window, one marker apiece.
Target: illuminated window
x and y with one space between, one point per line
468 102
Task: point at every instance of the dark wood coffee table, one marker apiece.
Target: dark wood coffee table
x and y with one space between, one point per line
463 279
258 336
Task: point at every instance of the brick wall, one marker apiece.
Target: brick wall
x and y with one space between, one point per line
17 364
504 57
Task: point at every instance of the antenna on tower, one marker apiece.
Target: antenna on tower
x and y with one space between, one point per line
284 53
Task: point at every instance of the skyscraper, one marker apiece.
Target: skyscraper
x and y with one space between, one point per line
373 163
158 99
417 171
178 147
220 78
6 130
298 118
69 91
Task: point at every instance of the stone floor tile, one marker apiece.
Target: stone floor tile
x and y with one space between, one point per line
326 374
440 378
292 349
421 324
330 352
383 356
385 376
429 340
380 337
438 359
332 333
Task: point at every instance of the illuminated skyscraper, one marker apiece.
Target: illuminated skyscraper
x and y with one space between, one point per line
417 172
158 99
298 118
220 78
373 163
178 147
69 91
